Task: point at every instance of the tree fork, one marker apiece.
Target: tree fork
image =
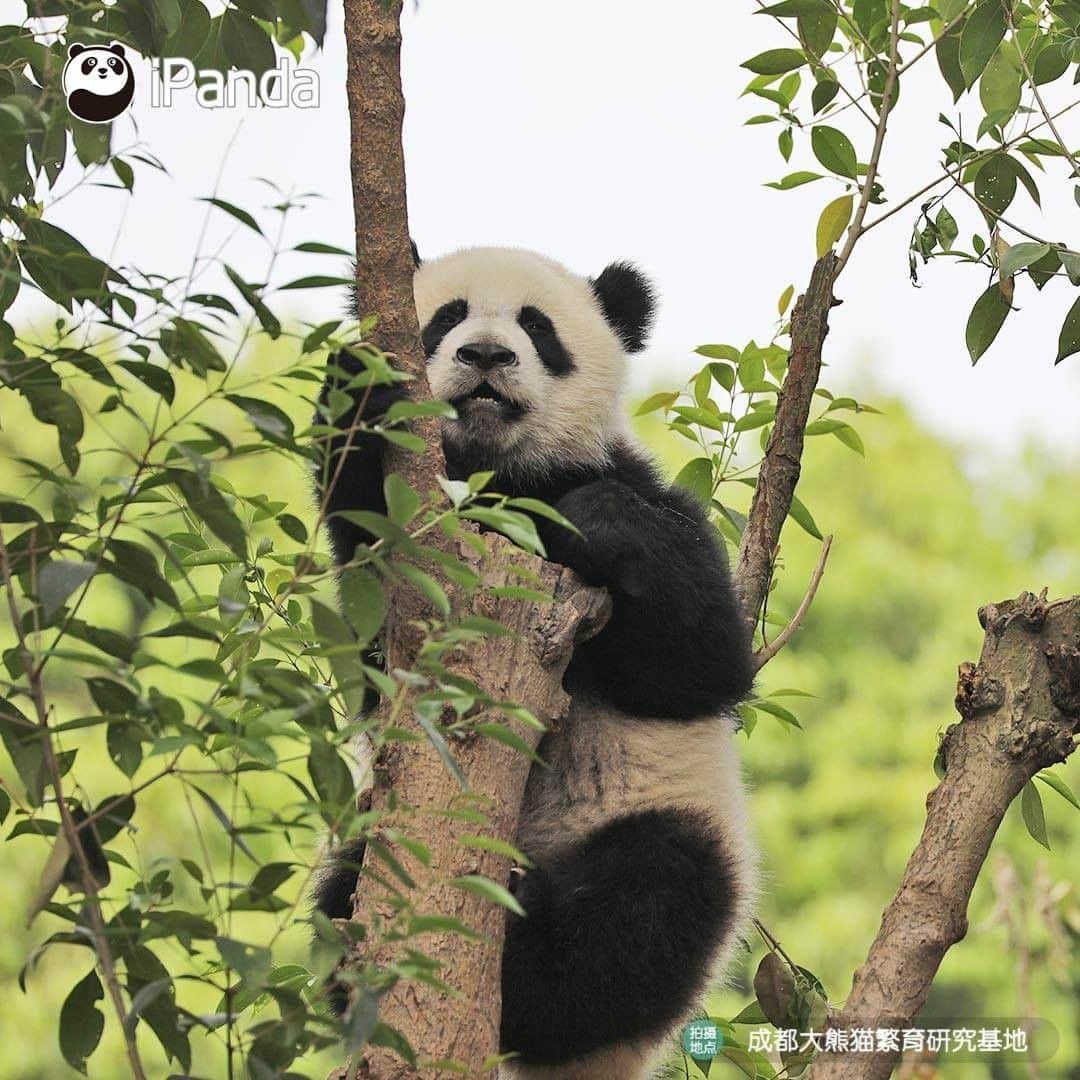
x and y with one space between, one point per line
1020 712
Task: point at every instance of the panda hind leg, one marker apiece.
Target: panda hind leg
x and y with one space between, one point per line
616 946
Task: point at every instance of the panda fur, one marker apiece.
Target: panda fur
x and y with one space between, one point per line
98 81
644 867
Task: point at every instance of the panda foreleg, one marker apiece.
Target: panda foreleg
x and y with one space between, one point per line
617 941
676 644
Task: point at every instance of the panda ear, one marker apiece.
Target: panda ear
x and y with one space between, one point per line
628 302
416 260
75 48
117 48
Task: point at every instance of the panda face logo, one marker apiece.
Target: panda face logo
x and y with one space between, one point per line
98 81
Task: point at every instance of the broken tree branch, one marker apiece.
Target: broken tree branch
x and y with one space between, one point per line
1020 712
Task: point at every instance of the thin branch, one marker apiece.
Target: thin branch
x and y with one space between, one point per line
851 97
946 30
888 97
1038 97
768 651
68 826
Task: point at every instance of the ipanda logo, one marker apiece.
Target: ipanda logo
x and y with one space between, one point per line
98 81
277 88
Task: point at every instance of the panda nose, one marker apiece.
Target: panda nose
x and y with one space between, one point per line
486 355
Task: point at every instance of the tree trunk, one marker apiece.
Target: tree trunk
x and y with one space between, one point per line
1020 709
525 668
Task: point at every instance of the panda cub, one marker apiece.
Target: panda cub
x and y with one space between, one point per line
644 869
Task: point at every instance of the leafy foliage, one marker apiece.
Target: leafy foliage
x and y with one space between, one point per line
1004 67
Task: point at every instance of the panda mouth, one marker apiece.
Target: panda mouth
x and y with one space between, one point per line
485 395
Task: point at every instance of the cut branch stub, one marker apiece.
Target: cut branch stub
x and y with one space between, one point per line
1020 710
782 463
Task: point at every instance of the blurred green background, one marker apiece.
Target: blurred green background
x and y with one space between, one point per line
923 537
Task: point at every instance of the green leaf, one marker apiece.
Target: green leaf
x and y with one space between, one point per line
1054 781
832 223
775 62
1050 64
802 516
233 596
947 228
985 321
719 352
402 502
235 211
81 1023
1020 256
794 180
1031 809
697 476
982 34
266 417
59 579
999 87
246 43
792 9
834 150
656 401
156 378
489 890
823 93
267 319
362 602
995 185
22 741
208 504
816 29
1069 338
435 737
947 51
185 344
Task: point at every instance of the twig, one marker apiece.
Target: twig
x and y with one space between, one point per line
67 822
1038 97
768 651
888 96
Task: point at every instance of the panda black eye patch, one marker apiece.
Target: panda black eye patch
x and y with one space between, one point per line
549 348
441 323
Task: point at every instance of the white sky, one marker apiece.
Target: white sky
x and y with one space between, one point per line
608 129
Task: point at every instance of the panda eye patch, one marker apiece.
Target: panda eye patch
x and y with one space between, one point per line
441 323
89 64
534 321
114 64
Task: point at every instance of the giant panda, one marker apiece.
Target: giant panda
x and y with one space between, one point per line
644 867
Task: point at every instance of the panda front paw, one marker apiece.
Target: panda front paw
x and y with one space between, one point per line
603 551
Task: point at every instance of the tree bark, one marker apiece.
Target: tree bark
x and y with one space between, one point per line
782 463
384 263
1020 712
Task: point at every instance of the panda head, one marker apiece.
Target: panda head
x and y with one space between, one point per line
98 81
531 356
